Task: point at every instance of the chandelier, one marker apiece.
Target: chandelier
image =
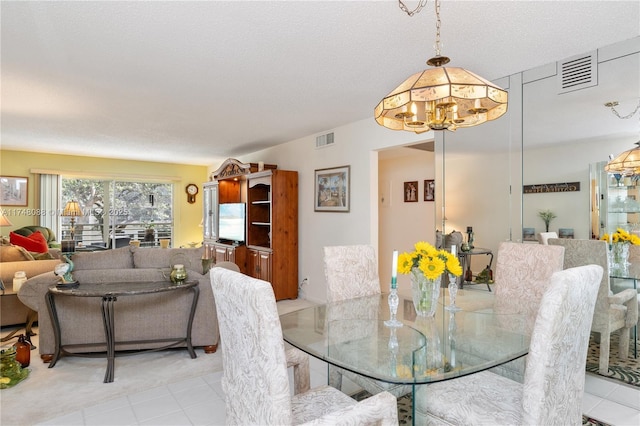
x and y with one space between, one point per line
441 98
627 163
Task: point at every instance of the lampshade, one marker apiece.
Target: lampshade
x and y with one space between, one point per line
627 163
72 209
442 98
4 221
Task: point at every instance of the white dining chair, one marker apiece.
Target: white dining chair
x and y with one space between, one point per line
543 237
555 375
351 272
613 311
255 380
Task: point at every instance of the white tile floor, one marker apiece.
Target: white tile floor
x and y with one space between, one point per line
200 401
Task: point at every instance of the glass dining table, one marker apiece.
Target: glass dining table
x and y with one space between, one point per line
352 335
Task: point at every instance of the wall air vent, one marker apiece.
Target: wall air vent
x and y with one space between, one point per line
578 72
324 141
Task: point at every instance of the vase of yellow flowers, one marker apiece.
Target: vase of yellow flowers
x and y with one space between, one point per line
619 243
426 265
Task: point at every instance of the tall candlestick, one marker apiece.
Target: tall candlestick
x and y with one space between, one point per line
394 270
454 250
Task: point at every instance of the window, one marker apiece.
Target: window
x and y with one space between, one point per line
117 212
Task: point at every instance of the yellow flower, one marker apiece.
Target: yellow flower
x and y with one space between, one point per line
431 261
622 236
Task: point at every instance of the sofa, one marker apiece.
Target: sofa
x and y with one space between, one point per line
13 259
150 316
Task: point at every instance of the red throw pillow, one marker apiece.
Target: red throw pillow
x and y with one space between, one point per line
35 242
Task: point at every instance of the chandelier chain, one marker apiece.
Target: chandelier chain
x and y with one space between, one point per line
631 114
437 27
418 8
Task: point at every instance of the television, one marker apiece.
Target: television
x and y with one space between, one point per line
231 222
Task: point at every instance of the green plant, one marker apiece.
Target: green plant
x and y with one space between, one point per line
547 216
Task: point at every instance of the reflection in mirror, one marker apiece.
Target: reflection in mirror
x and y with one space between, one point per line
564 131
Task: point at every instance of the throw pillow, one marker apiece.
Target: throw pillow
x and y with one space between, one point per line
14 254
34 242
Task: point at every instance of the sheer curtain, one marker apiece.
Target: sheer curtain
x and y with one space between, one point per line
49 199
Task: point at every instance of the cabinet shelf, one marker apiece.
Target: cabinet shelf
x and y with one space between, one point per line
261 202
261 223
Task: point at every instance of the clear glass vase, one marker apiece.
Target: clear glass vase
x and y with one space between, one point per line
425 293
619 255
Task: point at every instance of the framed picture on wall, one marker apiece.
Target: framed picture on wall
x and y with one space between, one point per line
332 193
529 234
565 233
429 190
13 190
411 192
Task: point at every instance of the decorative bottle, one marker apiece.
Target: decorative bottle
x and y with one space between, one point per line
23 351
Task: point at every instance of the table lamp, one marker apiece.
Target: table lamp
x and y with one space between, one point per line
72 209
4 221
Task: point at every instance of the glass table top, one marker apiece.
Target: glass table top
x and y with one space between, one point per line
351 334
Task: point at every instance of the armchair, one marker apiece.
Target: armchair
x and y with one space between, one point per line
255 380
554 379
613 311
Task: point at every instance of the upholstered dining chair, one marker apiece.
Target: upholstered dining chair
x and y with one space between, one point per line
613 311
255 380
522 275
554 379
351 272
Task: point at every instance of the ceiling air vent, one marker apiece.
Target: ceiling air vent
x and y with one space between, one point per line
578 72
323 141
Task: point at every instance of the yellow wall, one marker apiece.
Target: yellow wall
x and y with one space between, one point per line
187 216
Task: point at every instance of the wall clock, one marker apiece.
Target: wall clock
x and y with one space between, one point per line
191 190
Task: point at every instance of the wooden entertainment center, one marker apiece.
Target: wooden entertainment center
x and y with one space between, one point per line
270 248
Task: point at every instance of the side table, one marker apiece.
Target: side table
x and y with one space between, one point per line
109 293
465 262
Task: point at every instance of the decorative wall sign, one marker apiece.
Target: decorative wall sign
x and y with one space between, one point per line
551 187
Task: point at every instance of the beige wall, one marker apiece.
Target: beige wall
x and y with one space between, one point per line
186 216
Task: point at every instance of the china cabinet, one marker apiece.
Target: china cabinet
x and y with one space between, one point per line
615 201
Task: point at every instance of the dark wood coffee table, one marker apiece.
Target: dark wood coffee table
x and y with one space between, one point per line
109 292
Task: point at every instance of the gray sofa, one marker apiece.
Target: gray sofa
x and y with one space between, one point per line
149 316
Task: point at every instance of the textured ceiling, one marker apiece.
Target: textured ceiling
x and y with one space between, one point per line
196 82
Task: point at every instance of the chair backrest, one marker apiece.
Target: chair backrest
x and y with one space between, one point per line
554 378
227 265
255 380
350 271
543 237
590 252
522 275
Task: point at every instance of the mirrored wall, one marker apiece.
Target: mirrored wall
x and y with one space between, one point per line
545 145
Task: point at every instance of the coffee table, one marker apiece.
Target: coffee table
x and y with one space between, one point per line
109 293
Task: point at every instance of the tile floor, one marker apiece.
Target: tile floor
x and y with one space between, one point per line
200 401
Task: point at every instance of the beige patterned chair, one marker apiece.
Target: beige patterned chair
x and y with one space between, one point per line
523 273
554 379
255 381
352 272
613 311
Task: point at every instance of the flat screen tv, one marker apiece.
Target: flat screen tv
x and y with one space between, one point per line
231 223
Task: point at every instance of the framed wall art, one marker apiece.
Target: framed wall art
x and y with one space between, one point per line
13 190
332 193
411 192
429 190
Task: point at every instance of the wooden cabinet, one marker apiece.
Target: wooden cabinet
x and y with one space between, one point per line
272 229
270 252
259 264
